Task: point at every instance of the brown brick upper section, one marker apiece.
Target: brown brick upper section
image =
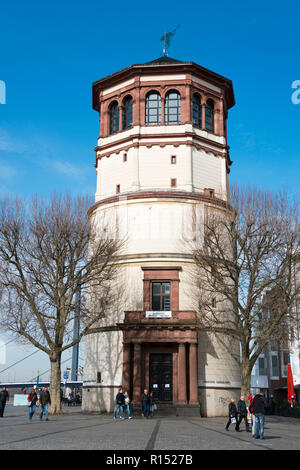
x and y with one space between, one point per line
189 78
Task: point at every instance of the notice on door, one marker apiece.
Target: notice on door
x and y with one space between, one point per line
159 314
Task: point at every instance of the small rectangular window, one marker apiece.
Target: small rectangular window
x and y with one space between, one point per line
285 360
125 157
161 296
98 377
209 192
173 160
274 365
117 188
173 183
261 366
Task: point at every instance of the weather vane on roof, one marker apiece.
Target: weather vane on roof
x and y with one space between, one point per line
167 39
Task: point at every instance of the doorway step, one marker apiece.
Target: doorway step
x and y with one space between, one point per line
169 409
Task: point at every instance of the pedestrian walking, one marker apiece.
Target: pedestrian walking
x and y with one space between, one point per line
232 412
242 413
44 400
152 405
32 400
127 404
259 405
145 403
120 401
70 398
250 398
4 397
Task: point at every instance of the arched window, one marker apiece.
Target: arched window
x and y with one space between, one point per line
172 108
197 110
209 115
127 113
114 117
153 108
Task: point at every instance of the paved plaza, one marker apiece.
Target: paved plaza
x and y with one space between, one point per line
76 430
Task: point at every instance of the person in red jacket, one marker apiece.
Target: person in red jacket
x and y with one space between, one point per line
250 398
32 400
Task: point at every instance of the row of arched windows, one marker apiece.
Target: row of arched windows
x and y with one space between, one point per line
172 108
153 110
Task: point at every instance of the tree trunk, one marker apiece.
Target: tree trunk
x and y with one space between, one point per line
55 383
245 378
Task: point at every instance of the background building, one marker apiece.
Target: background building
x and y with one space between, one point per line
162 160
270 370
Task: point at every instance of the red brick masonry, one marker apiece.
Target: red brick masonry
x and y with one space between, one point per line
176 335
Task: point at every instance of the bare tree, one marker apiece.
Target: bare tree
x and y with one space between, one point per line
244 275
49 252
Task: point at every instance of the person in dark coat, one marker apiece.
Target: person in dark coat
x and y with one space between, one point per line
44 400
232 411
120 402
32 400
152 404
145 403
259 406
242 413
4 397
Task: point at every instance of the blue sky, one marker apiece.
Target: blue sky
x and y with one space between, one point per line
51 52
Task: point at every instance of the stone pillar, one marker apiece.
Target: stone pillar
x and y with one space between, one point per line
137 373
104 121
120 116
136 103
99 176
136 178
203 104
193 373
101 115
186 106
147 295
182 374
189 174
126 367
219 115
162 120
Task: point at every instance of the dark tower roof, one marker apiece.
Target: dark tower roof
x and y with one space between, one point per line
164 60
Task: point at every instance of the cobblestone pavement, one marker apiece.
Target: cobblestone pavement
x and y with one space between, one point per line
76 430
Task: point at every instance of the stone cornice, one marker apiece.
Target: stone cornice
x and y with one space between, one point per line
194 140
175 195
139 136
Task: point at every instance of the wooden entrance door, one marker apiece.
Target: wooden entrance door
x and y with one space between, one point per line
161 377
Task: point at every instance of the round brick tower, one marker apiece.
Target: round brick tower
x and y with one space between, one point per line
162 160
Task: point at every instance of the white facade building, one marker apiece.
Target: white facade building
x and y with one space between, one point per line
162 161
